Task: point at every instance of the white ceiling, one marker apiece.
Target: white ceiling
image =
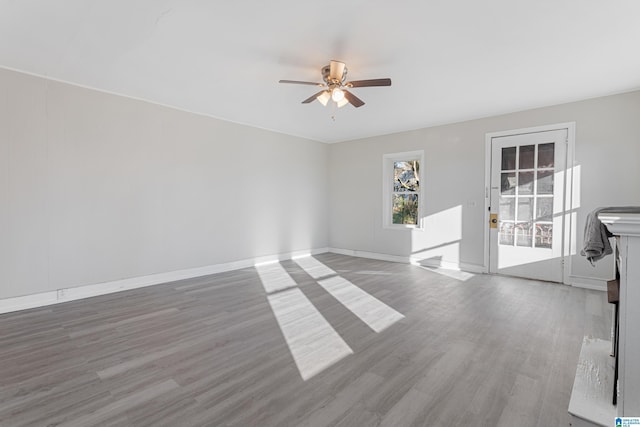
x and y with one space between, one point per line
449 60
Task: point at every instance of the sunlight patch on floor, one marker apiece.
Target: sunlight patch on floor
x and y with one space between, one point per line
376 314
275 278
314 268
313 342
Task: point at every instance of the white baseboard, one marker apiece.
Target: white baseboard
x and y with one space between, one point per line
448 265
460 266
588 283
577 281
371 255
71 294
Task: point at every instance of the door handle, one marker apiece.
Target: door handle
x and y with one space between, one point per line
493 220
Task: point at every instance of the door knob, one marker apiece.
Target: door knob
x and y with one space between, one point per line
493 220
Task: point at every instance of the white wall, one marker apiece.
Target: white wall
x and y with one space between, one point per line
607 153
97 187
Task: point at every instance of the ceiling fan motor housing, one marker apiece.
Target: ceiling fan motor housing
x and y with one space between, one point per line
326 76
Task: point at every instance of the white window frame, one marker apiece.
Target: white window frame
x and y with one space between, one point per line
387 189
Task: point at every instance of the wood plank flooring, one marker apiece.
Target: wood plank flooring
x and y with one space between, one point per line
210 351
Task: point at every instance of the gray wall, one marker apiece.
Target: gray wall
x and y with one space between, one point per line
96 187
607 151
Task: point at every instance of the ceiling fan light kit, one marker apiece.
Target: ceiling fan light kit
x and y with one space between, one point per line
334 76
324 97
337 94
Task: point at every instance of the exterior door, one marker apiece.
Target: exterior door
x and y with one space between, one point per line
527 204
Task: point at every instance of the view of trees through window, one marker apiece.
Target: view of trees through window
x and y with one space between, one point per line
406 187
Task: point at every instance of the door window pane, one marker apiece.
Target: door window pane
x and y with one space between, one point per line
508 183
545 182
544 235
545 155
523 234
508 158
544 209
525 183
527 156
508 208
525 209
505 235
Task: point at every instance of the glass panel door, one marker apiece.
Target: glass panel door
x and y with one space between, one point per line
527 191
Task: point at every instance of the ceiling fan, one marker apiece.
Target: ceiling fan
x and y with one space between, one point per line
334 76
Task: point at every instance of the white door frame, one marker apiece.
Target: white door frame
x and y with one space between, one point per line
569 219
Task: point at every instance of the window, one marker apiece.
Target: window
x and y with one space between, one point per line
526 196
402 196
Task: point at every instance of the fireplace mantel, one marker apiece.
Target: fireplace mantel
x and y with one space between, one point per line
627 224
626 228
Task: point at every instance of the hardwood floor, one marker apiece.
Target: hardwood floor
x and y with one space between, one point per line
232 349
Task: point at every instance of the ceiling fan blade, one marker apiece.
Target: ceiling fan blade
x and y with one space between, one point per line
372 82
312 97
297 82
354 100
336 70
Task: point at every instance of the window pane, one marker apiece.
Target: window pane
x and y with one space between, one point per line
545 182
545 155
507 208
544 235
405 209
508 183
544 209
405 176
523 234
525 209
525 182
509 158
505 236
527 153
